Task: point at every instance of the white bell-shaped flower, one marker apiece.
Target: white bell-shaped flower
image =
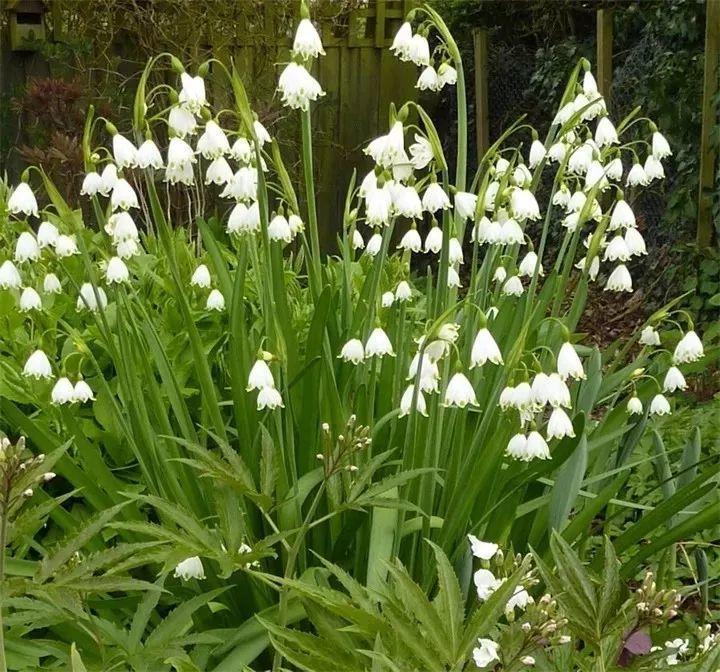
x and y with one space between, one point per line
374 245
617 250
455 251
47 235
357 240
182 121
377 207
559 425
421 152
295 223
517 448
622 216
51 284
521 177
353 351
558 151
524 205
674 380
30 300
378 344
659 405
387 299
484 349
126 249
649 336
190 568
660 146
201 277
180 154
123 196
148 155
537 448
406 402
192 95
428 80
419 50
108 178
386 150
409 204
595 176
63 392
653 168
215 301
307 42
213 143
465 204
260 376
298 87
614 169
411 241
513 286
447 75
689 349
37 366
279 229
83 392
121 226
241 151
26 248
402 41
537 153
460 392
635 243
558 393
219 172
243 185
66 246
116 272
403 292
529 264
569 364
637 177
634 406
261 133
453 278
433 240
619 280
124 152
605 133
91 298
502 165
92 184
435 198
22 200
580 159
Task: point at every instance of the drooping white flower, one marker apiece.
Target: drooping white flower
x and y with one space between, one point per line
148 155
594 267
37 366
409 203
357 240
490 196
453 277
387 299
241 151
569 364
674 380
47 235
295 223
30 300
521 177
22 200
433 240
486 652
403 292
374 245
279 229
595 176
559 425
66 246
215 301
62 393
622 216
634 405
529 264
616 250
83 392
605 133
190 568
540 389
88 299
501 166
182 121
689 349
660 146
260 376
637 176
465 204
537 447
353 351
307 43
116 271
460 392
51 284
261 133
537 153
484 550
428 80
614 169
406 402
377 207
590 88
485 583
659 405
435 198
26 248
513 286
92 184
419 50
635 243
524 205
455 252
378 344
447 74
557 151
121 226
124 152
580 159
411 241
421 152
180 160
558 393
201 277
243 185
620 280
298 87
653 168
108 178
192 95
123 196
213 143
649 336
401 42
219 172
484 349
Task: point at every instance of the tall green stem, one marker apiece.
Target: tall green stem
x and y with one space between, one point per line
461 165
3 539
314 262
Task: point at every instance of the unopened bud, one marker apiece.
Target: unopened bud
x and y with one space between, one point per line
28 492
49 476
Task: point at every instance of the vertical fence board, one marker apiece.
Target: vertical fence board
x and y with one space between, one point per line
604 51
708 154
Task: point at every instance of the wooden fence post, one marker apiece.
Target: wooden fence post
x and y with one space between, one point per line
482 118
708 155
604 51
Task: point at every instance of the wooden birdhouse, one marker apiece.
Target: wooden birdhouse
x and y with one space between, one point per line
27 24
